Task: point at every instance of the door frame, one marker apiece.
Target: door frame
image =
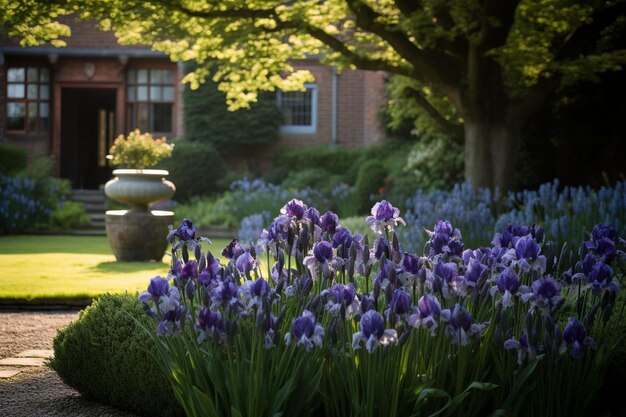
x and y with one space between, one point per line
120 113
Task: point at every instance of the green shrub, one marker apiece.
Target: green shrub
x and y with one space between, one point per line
206 211
370 179
335 160
67 216
436 163
317 178
12 159
104 355
196 169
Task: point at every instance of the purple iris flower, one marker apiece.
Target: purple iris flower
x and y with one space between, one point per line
305 331
344 237
172 322
601 231
447 271
381 246
508 284
461 326
428 311
225 294
400 302
255 292
411 264
329 222
294 208
312 216
186 230
233 251
372 331
384 217
190 270
524 348
601 276
443 227
162 295
527 248
575 337
545 294
323 251
340 295
245 263
209 323
474 271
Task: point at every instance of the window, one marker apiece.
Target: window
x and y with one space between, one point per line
299 110
28 99
150 98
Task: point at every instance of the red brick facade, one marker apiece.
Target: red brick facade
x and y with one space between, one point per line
93 62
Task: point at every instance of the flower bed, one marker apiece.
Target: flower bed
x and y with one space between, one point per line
345 326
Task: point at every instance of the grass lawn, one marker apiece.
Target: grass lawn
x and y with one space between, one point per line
46 269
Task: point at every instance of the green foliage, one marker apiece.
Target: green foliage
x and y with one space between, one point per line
435 163
12 159
67 216
196 169
335 160
316 178
369 181
205 211
106 356
139 150
207 119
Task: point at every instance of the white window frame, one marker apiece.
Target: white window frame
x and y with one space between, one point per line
311 128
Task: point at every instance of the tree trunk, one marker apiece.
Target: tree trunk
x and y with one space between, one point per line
490 153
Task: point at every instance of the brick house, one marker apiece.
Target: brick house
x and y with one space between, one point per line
72 102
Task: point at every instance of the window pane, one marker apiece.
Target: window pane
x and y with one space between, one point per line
168 93
297 107
157 76
44 92
142 76
131 77
168 77
162 117
43 109
131 121
44 75
31 75
130 94
156 93
142 93
32 117
32 91
44 117
16 116
15 91
15 74
143 117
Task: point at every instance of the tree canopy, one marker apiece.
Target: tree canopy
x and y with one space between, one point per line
478 68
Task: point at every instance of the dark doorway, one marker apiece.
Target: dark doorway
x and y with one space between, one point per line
87 126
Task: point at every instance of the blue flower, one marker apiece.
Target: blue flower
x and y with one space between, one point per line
527 248
245 263
575 338
305 331
400 302
385 217
372 331
312 216
164 296
344 237
411 264
508 284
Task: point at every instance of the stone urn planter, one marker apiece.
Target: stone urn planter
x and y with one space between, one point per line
138 234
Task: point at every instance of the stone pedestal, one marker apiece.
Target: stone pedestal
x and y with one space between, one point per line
138 236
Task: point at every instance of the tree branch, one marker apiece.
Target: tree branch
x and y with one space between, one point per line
453 129
429 67
236 13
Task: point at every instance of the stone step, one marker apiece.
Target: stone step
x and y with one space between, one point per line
8 373
22 361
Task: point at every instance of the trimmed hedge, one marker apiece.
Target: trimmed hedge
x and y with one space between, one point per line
12 159
370 179
105 356
196 169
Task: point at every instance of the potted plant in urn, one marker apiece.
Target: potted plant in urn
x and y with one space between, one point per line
138 186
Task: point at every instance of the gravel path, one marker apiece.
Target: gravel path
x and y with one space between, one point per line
38 391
